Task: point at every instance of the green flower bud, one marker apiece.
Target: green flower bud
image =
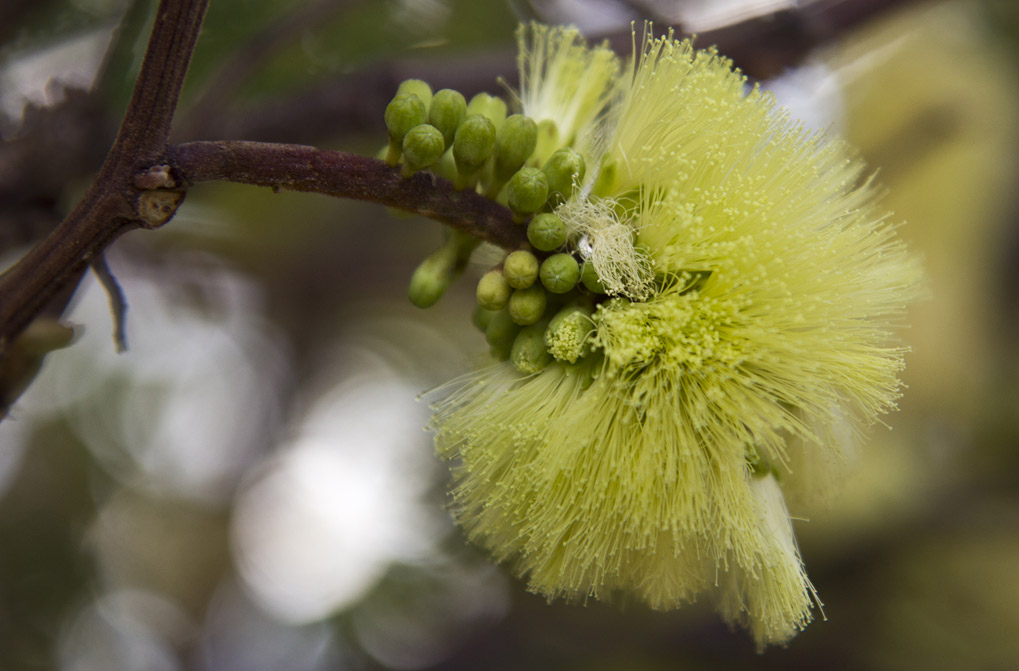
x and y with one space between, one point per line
589 278
568 334
493 290
546 140
473 144
560 273
403 112
447 111
417 87
422 147
431 279
563 168
527 305
514 143
482 318
546 232
491 107
529 354
500 334
527 191
520 269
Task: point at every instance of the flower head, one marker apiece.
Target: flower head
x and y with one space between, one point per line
752 285
564 84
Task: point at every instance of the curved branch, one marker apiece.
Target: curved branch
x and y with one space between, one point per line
133 189
336 173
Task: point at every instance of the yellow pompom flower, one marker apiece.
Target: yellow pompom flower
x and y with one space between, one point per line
752 304
564 84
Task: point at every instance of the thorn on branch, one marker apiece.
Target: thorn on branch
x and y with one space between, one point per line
118 305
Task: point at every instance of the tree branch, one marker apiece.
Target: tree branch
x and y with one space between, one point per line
113 204
133 188
337 173
118 305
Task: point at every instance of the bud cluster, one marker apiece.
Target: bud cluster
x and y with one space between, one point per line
690 333
535 306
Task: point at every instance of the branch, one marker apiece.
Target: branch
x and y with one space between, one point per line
118 305
133 188
113 204
337 173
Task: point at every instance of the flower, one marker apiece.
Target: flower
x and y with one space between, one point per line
564 85
752 298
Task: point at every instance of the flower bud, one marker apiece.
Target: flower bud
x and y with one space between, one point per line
491 107
529 354
473 144
546 232
432 277
527 305
514 143
500 334
403 112
419 88
589 278
520 269
568 334
546 140
482 318
422 147
564 168
446 166
447 111
493 290
560 273
527 191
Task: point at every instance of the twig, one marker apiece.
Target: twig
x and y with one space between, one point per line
337 173
118 304
113 203
136 189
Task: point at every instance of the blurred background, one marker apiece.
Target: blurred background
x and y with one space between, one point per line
250 486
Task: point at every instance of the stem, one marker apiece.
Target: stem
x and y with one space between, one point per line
116 202
337 173
109 208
